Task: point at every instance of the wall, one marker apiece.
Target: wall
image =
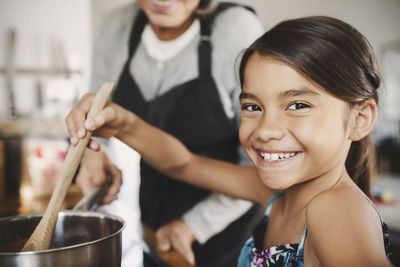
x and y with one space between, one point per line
44 29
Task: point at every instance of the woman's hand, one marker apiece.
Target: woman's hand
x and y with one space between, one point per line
107 123
93 171
176 236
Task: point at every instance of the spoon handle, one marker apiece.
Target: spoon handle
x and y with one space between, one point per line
42 235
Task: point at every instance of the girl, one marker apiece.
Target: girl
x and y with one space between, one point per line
309 100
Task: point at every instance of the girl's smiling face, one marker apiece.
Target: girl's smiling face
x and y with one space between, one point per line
290 128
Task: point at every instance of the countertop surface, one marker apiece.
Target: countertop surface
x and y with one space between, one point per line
14 204
25 127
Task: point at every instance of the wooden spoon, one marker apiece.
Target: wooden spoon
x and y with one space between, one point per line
41 237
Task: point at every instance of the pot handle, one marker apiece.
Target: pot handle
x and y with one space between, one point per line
90 201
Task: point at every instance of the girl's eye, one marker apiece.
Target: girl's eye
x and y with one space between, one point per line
298 105
251 107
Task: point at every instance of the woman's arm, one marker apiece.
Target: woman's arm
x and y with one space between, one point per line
166 153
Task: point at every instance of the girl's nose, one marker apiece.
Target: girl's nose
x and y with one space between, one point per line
270 129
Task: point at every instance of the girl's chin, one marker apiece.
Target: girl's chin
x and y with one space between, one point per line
277 184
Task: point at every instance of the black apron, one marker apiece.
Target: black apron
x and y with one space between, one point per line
193 113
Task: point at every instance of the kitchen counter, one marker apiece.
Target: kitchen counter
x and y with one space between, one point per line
21 139
25 127
13 204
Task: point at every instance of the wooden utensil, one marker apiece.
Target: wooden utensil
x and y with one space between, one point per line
42 235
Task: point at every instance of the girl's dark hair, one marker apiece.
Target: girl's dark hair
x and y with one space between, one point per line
337 57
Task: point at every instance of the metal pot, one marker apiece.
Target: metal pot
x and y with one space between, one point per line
81 238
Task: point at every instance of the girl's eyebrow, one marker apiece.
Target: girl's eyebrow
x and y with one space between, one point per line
284 94
298 92
243 95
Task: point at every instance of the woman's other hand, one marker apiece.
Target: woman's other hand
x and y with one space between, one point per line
176 236
93 171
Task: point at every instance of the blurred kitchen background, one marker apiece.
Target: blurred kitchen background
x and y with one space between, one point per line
45 66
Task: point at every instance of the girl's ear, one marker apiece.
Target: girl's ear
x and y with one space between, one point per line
364 119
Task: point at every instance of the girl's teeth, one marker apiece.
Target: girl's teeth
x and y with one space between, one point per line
276 156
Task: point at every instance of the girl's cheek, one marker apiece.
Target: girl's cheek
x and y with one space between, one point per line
241 136
245 131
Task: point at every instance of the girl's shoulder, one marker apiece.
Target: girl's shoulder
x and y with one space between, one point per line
344 200
338 221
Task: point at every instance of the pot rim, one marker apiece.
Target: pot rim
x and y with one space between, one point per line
63 213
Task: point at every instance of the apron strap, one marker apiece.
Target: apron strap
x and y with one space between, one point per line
205 45
136 32
125 92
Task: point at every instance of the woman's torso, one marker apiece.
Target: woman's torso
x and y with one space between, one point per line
194 112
